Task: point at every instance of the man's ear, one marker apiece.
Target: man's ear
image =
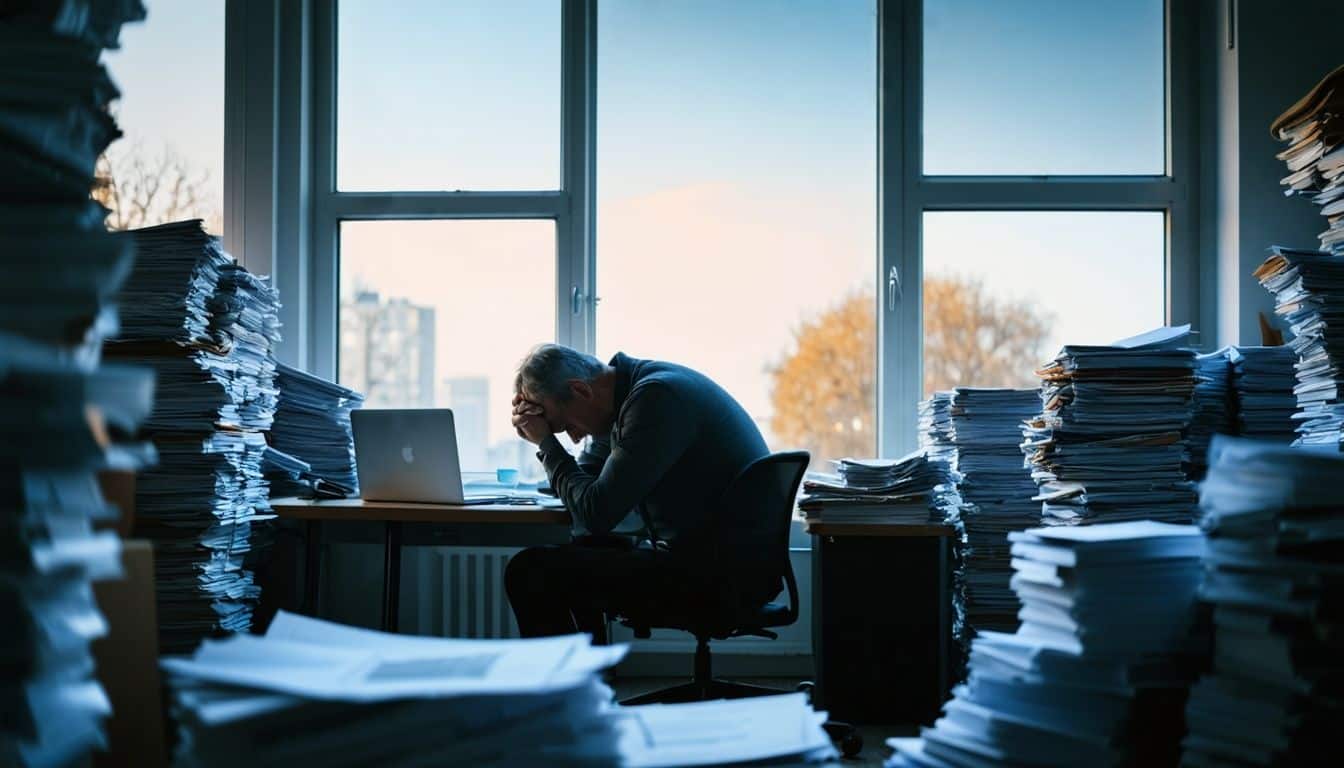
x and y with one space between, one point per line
580 389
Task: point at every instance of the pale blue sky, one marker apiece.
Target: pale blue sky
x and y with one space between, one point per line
736 157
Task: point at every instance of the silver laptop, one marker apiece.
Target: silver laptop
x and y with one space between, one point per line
410 455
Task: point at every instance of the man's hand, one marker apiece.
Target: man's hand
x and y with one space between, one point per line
529 420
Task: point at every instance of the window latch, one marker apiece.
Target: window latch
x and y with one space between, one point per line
893 289
577 298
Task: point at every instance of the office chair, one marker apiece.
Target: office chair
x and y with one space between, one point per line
749 542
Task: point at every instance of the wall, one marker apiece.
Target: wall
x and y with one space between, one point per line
1278 51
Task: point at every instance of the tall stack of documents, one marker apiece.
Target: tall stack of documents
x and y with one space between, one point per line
1262 392
935 426
211 342
901 490
1275 521
64 415
1098 671
1313 128
1213 406
1111 443
1308 288
996 496
312 423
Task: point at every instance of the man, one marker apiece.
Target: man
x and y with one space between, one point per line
665 442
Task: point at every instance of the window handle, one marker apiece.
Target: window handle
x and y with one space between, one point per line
893 289
576 300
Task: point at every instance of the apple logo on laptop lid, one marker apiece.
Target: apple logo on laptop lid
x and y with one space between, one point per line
408 454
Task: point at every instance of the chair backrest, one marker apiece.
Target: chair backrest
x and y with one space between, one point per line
752 522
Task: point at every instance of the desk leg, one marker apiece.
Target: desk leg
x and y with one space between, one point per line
391 575
312 566
944 617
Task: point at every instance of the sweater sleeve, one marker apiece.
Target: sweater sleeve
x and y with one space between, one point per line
651 435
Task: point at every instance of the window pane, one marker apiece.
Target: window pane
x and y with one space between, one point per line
446 96
1003 291
439 313
169 165
1044 87
736 224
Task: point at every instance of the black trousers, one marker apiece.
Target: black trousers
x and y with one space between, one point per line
556 590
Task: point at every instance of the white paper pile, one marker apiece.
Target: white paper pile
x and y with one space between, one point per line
1308 288
1275 520
877 491
1111 443
781 728
327 694
211 343
1313 128
63 414
313 692
312 424
1097 673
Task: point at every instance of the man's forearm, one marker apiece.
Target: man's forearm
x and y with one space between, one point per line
574 485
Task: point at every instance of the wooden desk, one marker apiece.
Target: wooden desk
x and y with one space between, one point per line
882 611
393 514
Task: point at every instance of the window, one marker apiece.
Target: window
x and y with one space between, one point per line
1044 199
1043 87
460 95
773 192
169 165
990 317
436 314
736 221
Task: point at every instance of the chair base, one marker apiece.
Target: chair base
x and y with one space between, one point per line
701 691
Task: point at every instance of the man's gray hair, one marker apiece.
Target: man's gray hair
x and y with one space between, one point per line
548 368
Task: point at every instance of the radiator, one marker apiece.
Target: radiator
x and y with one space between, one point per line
459 592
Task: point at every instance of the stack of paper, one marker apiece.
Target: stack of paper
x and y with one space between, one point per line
996 494
877 491
316 692
1275 520
211 345
312 423
63 415
779 729
1096 674
1111 443
1308 288
935 426
1262 392
320 693
1314 130
1213 412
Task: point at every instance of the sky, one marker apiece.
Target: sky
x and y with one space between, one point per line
736 165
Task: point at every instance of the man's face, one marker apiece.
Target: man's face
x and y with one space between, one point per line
580 416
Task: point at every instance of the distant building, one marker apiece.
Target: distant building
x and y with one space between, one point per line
469 397
387 351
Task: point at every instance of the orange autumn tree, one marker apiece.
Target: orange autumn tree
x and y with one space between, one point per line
823 391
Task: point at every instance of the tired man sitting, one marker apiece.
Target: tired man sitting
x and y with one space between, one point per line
664 442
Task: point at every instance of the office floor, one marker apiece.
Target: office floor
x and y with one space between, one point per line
874 736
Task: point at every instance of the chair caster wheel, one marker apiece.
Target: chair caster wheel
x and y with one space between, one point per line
845 737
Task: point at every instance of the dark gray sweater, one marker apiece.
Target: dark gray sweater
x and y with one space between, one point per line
677 442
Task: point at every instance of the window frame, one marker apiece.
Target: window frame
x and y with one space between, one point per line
284 211
905 194
570 208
